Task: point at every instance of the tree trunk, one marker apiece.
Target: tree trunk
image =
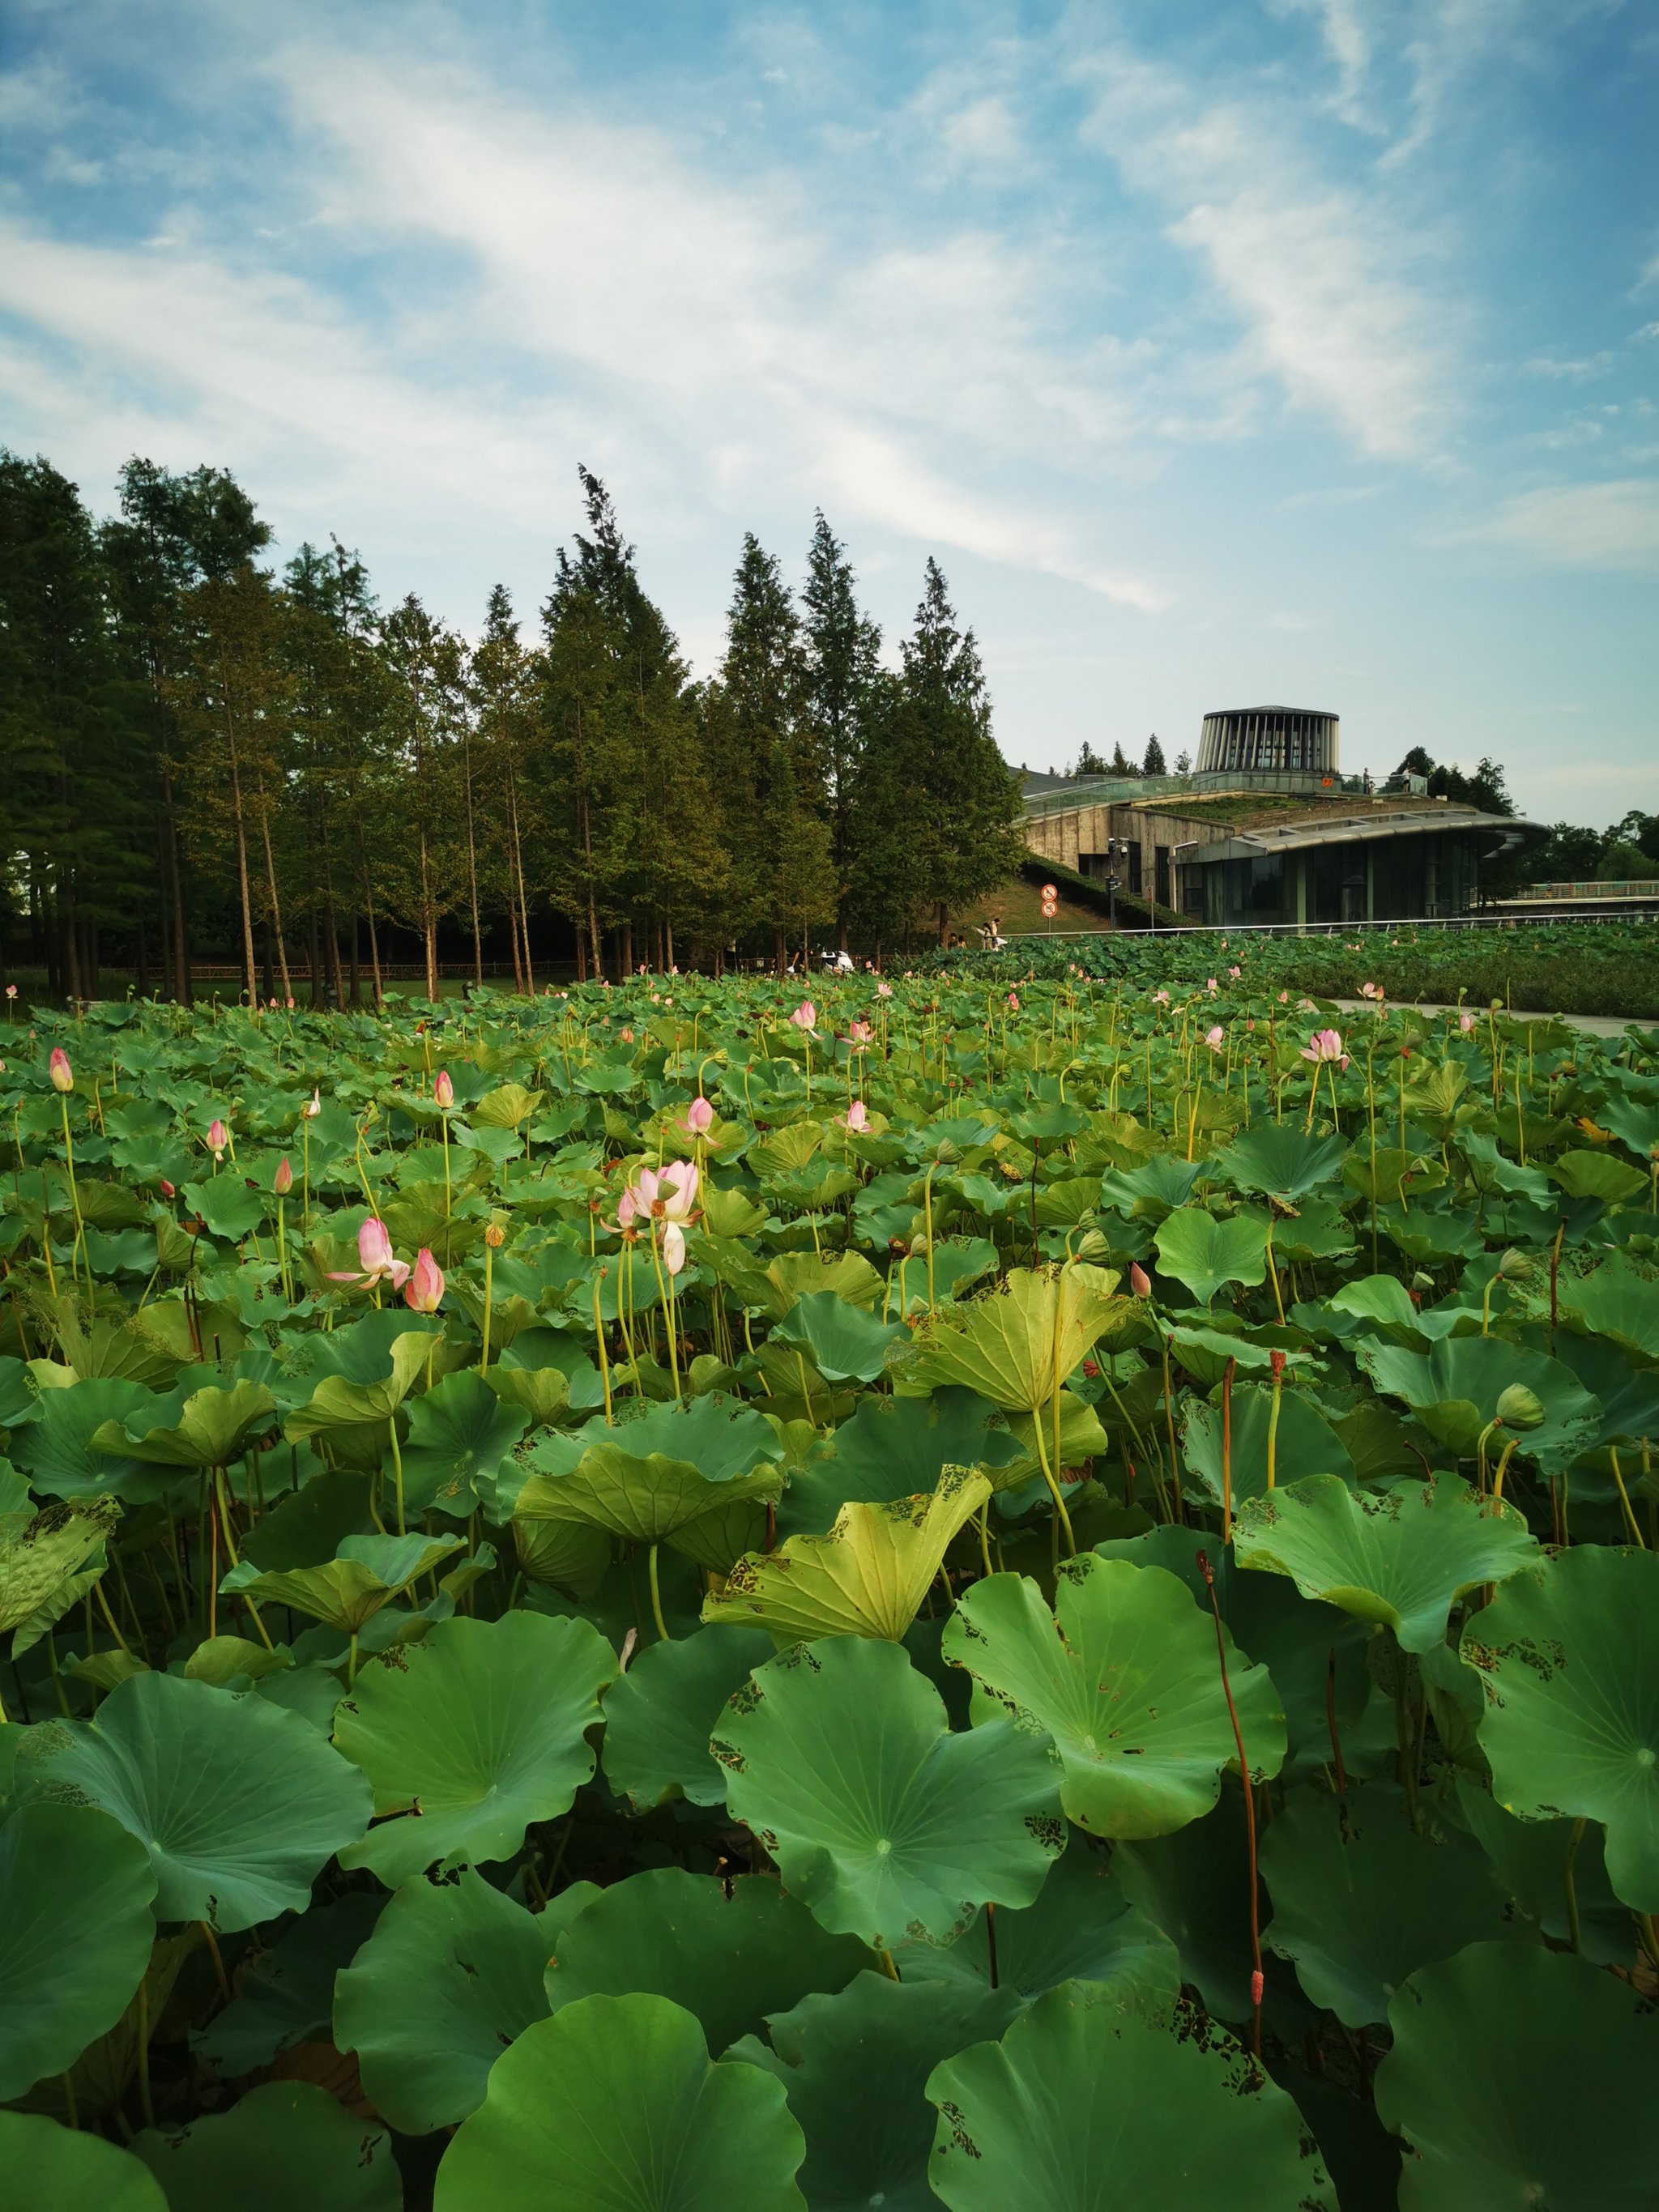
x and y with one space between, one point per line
518 872
369 911
356 968
250 982
276 904
472 861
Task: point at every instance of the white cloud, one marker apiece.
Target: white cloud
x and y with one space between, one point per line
1613 525
1570 372
1328 281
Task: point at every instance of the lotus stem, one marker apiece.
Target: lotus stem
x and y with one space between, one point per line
656 1595
1571 1886
397 1471
1257 1978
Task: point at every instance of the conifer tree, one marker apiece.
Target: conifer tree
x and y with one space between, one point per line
1153 763
840 694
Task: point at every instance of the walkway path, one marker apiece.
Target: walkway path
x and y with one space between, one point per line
1604 1025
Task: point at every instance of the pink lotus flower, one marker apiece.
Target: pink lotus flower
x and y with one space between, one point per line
699 1117
1284 998
1013 1002
283 1181
1160 998
1465 1023
855 1119
376 1259
673 1248
667 1193
62 1074
1371 991
443 1090
859 1035
1215 1037
423 1292
1235 973
11 990
1140 1281
218 1137
167 1189
1213 987
884 990
1326 1045
315 1108
626 1036
806 1016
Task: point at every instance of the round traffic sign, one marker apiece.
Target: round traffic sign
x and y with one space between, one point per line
1049 891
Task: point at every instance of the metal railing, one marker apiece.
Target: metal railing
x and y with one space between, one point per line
1483 920
1542 894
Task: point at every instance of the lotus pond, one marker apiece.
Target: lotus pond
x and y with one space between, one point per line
658 1598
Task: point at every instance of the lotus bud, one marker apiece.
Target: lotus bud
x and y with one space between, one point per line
494 1236
282 1181
424 1291
699 1117
315 1108
1140 1281
1521 1409
1276 1362
218 1137
63 1075
168 1190
443 1090
673 1248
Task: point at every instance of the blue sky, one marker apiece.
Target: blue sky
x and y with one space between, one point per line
1302 352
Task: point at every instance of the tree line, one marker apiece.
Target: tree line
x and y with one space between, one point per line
206 757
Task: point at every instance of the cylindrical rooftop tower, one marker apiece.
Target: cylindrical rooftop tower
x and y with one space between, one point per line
1269 737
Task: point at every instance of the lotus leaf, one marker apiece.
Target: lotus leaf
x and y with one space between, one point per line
1130 1690
210 1427
1017 1344
452 1973
1568 1658
1454 1391
855 2067
286 2146
1483 2043
285 1995
867 1577
838 1755
1205 1252
1305 1444
239 1805
48 1560
76 1930
892 1448
612 2106
844 1343
1088 2105
469 1735
659 1716
368 1573
730 1959
1404 1558
51 2168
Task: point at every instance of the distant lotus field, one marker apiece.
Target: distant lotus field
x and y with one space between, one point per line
725 1595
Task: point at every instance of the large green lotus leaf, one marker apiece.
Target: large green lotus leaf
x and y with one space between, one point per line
452 1973
612 2106
47 1560
1080 1929
55 1451
287 2146
572 1556
1455 1388
349 1589
1301 1644
1627 1394
1404 1558
1635 1121
1598 1175
471 1734
505 1106
459 1434
839 1756
659 1716
1130 1690
239 1804
1280 1160
730 1959
855 2067
845 1344
1088 2105
1614 1302
892 1448
1306 1444
210 1427
1484 2044
642 1500
867 1577
49 2168
1019 1343
339 1402
1361 1899
1206 1252
285 1995
76 1930
1568 1658
306 1526
1531 1858
719 1436
227 1205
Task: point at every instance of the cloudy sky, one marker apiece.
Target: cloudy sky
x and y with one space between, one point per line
1223 351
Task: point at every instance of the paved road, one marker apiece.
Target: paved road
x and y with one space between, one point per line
1606 1026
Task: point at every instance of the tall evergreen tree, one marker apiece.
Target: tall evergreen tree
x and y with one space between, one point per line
1153 763
840 694
967 809
1121 764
